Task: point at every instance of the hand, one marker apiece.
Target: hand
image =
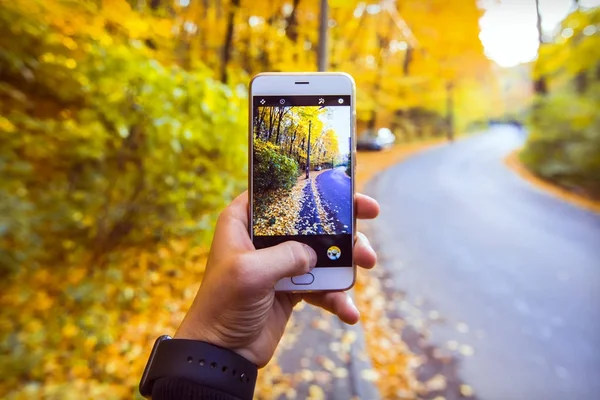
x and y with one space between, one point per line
236 306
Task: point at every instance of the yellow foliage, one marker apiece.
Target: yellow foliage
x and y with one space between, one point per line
90 329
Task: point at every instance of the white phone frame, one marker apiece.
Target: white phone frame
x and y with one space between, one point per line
319 83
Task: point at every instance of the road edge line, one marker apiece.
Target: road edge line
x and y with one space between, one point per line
513 163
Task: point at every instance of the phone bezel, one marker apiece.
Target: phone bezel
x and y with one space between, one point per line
319 83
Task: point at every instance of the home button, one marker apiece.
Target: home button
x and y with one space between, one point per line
305 279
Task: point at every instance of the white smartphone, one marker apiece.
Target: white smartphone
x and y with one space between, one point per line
301 173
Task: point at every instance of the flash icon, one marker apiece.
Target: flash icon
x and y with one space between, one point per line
321 101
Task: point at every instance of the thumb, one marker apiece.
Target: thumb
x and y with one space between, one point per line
284 260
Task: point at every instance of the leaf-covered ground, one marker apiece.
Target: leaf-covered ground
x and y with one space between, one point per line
86 332
299 211
279 211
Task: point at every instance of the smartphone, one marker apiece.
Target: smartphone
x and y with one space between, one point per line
301 172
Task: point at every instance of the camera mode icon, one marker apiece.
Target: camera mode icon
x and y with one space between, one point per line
334 253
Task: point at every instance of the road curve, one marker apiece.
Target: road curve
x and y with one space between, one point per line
517 270
335 191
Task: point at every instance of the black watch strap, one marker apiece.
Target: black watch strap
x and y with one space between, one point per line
199 362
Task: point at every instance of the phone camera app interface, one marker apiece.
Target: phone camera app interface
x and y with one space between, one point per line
302 186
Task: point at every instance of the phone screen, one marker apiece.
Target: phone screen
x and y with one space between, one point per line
302 187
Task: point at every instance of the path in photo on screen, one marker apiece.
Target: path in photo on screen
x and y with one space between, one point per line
325 204
335 190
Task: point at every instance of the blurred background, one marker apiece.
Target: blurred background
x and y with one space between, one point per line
123 133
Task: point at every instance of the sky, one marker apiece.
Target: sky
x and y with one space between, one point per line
508 27
338 119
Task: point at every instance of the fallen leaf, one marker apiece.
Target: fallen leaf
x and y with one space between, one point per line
340 373
315 393
369 375
436 383
307 375
452 345
466 390
466 350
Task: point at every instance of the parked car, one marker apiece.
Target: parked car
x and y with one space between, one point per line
318 168
375 140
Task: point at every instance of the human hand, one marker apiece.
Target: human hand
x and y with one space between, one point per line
237 307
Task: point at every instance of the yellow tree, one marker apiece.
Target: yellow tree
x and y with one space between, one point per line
450 55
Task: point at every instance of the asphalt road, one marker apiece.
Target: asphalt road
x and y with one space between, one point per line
335 190
514 272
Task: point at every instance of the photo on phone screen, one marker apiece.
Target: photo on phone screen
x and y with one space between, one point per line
302 182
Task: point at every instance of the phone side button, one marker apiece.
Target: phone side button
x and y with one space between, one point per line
305 279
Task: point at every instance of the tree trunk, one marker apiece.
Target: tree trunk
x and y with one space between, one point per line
323 27
408 56
271 123
383 46
581 82
281 114
300 161
291 29
540 86
450 111
248 64
227 46
154 4
372 119
260 119
581 79
292 142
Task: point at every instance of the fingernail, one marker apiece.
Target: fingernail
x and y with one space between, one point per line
351 302
352 305
312 256
365 238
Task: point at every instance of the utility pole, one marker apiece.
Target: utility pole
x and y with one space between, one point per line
308 152
450 111
323 26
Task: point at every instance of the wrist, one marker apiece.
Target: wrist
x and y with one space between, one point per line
199 362
210 337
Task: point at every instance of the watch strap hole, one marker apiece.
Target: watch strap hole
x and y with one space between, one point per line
178 358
